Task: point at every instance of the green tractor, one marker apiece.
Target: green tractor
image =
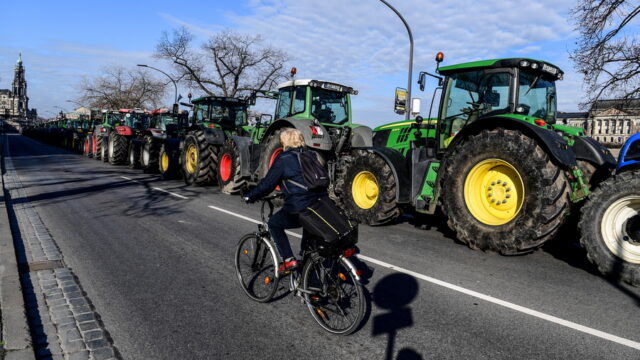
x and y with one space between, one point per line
320 110
213 121
505 174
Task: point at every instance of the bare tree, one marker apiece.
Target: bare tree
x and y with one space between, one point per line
228 64
607 55
118 87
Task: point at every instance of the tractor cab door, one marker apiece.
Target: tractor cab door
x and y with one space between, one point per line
470 96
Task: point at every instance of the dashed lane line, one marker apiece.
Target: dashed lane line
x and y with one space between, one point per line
158 189
488 298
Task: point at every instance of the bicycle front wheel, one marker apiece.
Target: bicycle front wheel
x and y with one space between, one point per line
333 295
256 267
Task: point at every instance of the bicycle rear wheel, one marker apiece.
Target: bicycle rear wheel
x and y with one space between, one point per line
333 295
256 267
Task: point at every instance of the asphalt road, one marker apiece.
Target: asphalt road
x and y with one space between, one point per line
159 270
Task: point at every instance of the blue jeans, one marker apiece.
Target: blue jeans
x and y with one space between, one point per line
278 223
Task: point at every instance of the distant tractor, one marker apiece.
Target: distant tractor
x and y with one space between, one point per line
116 133
610 221
163 126
214 120
505 174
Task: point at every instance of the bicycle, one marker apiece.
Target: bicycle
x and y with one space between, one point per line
329 283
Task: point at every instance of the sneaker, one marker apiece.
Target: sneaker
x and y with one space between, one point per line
287 265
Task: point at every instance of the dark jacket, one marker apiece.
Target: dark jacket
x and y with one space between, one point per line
286 166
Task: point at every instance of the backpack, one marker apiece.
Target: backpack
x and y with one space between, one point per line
315 175
325 221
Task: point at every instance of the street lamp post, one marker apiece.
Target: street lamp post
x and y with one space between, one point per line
408 114
175 101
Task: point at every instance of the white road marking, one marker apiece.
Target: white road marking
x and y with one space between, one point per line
171 193
491 299
158 189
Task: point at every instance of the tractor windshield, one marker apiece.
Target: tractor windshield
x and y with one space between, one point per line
114 119
167 119
224 114
136 121
329 106
537 97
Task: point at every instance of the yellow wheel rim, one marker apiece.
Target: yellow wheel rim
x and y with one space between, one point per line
494 192
192 158
164 161
365 190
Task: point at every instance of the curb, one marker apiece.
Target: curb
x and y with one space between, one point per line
15 328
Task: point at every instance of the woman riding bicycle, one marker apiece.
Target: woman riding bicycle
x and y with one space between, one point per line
286 167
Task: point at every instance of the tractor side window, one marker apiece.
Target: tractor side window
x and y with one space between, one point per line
470 96
284 103
537 97
200 113
299 100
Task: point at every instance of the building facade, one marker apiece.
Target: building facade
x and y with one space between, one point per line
14 102
611 122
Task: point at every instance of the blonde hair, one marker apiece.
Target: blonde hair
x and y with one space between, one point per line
291 138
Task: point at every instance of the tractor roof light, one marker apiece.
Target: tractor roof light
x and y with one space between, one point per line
294 71
439 57
534 65
525 63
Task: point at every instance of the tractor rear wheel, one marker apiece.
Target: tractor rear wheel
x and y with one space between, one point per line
502 192
610 227
149 155
198 160
366 189
104 149
167 163
230 177
272 149
118 149
87 147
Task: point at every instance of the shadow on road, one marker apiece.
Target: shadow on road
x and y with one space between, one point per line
394 293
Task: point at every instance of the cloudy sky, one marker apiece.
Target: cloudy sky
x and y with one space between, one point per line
360 43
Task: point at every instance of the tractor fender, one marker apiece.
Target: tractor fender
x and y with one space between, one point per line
317 142
243 143
361 136
156 134
557 148
124 130
398 165
629 158
214 136
589 149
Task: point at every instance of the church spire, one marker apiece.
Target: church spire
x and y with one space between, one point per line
19 62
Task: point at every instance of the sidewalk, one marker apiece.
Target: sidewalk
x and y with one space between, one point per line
16 337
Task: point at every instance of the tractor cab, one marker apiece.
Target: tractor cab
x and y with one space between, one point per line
219 112
328 103
135 119
165 121
517 89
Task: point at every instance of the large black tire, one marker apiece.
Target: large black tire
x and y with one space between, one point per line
542 208
610 228
87 146
271 147
134 156
149 154
118 149
230 178
167 163
365 188
98 153
104 149
198 160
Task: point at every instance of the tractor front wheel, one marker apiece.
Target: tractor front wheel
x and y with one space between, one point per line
198 160
503 193
134 156
167 163
366 189
610 227
230 177
149 155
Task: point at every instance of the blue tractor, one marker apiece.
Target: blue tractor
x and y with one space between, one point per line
610 219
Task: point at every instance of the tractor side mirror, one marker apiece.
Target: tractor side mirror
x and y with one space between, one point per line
265 119
421 80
